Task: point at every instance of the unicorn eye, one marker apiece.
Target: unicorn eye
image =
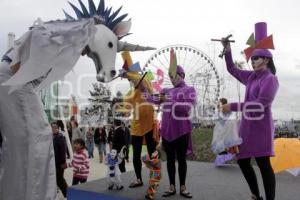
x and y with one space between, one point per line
110 45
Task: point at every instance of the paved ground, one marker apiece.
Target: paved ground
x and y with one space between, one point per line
204 181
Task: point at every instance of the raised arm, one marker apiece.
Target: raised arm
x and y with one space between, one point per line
241 75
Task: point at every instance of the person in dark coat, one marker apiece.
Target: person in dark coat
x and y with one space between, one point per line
127 141
60 157
100 141
119 141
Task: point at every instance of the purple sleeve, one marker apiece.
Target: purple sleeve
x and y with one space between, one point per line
267 92
241 75
185 104
151 99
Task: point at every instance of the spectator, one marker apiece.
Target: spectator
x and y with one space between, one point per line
119 142
127 141
110 137
69 129
80 162
90 142
100 141
76 133
60 157
61 128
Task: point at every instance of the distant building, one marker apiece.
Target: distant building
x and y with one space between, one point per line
55 107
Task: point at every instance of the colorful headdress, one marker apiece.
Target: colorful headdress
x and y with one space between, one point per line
259 44
133 72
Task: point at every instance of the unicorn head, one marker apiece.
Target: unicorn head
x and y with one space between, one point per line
110 29
49 50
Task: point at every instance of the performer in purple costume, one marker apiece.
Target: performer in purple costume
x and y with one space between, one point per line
176 128
256 128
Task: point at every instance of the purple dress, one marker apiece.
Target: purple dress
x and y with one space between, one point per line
180 102
256 127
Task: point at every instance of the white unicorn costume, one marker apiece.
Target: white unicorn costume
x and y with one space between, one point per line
27 163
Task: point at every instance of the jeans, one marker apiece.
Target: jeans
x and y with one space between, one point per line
102 148
90 148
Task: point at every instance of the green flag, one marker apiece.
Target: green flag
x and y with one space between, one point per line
149 76
173 64
251 40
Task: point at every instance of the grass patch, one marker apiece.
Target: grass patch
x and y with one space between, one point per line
201 138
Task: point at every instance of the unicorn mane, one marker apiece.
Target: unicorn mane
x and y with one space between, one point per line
107 16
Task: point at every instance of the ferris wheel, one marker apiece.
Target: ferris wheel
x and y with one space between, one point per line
200 72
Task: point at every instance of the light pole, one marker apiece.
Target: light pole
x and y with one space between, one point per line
239 64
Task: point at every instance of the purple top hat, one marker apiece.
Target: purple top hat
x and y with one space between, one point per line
260 34
260 31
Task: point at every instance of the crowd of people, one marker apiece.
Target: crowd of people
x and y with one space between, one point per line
83 143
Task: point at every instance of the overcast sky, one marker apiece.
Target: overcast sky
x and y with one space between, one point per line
160 23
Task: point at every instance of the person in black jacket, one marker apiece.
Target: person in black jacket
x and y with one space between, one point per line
60 158
100 141
61 128
127 141
119 141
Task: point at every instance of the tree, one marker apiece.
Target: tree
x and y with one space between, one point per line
100 104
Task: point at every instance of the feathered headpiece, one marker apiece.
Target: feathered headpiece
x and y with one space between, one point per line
133 72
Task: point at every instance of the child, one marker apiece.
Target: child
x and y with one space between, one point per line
154 165
112 160
225 136
80 162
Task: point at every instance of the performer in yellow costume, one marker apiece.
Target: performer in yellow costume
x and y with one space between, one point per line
142 122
